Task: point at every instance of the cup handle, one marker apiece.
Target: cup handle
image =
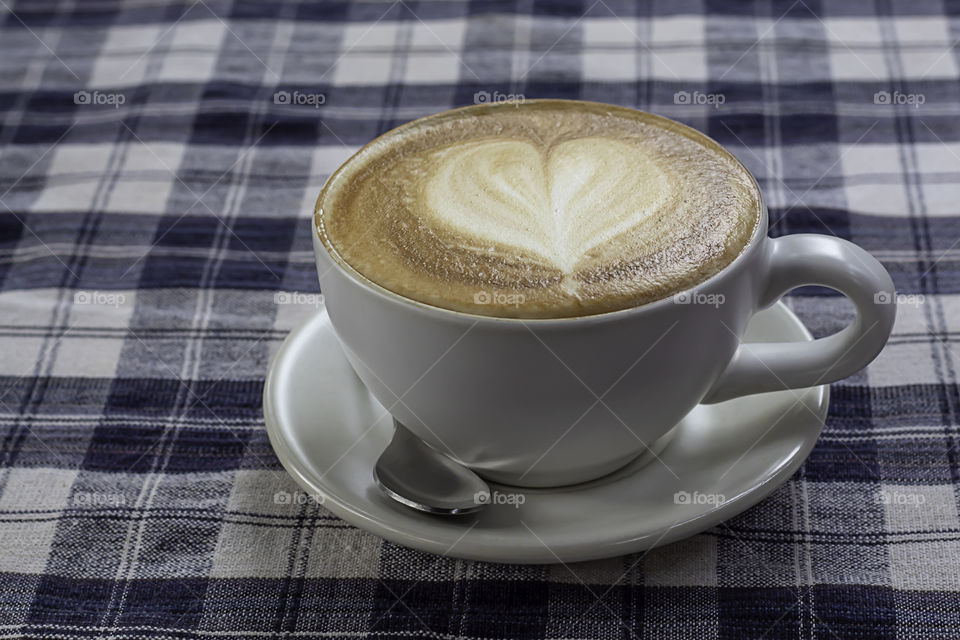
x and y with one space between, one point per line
793 261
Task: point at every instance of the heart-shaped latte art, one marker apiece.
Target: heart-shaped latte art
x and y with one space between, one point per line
558 204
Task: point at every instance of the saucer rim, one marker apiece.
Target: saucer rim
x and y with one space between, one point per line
561 553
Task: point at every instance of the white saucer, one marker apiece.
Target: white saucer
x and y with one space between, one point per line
328 431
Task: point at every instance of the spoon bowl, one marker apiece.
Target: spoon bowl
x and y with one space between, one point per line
424 479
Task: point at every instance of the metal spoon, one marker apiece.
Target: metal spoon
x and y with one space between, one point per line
413 474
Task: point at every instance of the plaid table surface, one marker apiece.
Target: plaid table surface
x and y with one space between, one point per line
157 168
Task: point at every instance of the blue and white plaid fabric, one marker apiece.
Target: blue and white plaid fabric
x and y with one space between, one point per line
158 162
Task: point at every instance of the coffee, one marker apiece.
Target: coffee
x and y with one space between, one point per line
546 209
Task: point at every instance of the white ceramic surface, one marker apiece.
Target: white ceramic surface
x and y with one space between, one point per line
548 402
328 431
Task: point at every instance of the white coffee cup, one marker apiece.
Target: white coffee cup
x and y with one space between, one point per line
546 402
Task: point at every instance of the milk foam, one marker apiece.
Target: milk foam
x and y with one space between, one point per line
550 209
557 204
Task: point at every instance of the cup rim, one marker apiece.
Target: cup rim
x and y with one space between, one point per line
760 229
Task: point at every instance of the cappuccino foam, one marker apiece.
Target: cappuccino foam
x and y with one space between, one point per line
546 209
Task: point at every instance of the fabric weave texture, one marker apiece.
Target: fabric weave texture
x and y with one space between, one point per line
158 164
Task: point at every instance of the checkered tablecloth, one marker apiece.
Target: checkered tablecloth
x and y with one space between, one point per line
158 162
